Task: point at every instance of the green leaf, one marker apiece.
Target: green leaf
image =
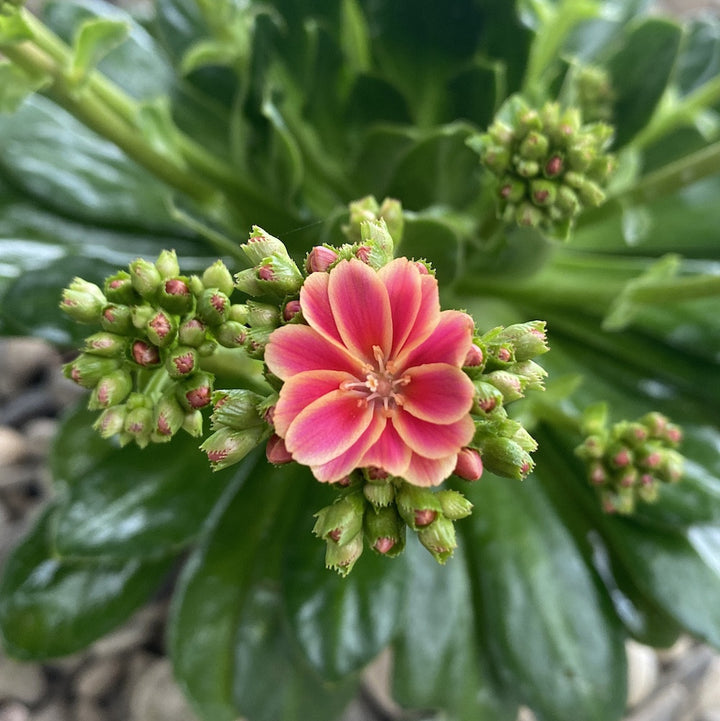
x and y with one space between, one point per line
77 173
439 661
94 39
640 72
227 637
431 238
340 624
537 599
53 607
16 85
120 502
354 37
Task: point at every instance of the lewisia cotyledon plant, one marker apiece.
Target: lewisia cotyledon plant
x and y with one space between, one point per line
375 379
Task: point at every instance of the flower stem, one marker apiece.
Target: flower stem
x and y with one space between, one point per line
234 363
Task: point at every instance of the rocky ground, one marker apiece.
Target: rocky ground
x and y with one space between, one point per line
126 676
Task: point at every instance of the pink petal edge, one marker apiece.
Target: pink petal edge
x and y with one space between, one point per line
433 440
438 393
429 471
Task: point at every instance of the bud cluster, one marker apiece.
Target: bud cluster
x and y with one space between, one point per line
594 93
549 164
144 366
368 210
375 509
502 368
630 460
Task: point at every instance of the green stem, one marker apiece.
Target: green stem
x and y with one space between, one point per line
229 363
680 114
673 290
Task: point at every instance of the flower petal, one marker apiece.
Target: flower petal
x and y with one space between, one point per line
449 342
349 460
437 392
315 305
433 440
361 309
299 391
428 314
429 471
389 452
296 348
327 428
402 280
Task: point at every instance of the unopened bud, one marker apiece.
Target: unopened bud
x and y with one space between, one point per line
111 421
261 244
227 446
83 301
469 464
87 369
175 295
181 362
439 538
111 390
379 495
145 277
139 425
168 418
167 264
116 319
507 383
262 315
505 457
418 506
108 345
193 423
161 329
319 259
145 354
474 357
119 289
196 391
385 531
276 452
341 521
279 275
192 333
532 375
291 311
218 276
230 334
343 558
236 408
248 282
454 504
213 306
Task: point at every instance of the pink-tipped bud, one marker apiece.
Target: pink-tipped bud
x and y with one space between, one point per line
176 286
424 517
376 474
554 166
319 259
469 464
276 451
474 357
266 272
363 253
145 354
291 310
384 545
196 391
622 458
422 268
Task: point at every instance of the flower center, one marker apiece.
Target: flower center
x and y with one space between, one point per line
381 384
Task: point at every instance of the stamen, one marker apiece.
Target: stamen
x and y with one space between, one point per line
380 384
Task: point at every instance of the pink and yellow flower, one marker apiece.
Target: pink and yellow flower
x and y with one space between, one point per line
375 379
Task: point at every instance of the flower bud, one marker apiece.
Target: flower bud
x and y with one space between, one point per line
139 425
487 397
111 421
247 281
213 306
119 289
196 391
111 390
341 521
261 244
238 313
230 334
192 333
87 369
534 146
227 446
469 465
319 259
236 408
193 424
505 457
108 345
276 452
145 277
392 213
140 315
379 495
528 339
454 505
291 311
532 375
167 264
168 418
343 558
257 340
439 539
218 276
116 319
474 358
262 315
385 531
507 383
175 295
279 275
181 362
161 329
144 354
83 301
419 507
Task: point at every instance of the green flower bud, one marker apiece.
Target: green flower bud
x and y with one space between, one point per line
230 334
488 397
512 190
167 264
236 408
532 375
87 369
181 362
218 276
278 275
535 146
144 354
505 457
168 418
439 539
247 282
238 313
528 339
343 558
361 211
140 315
567 200
417 506
341 521
213 306
454 505
193 423
527 168
507 383
385 531
262 315
111 421
83 301
195 392
145 277
116 319
376 245
528 215
261 244
111 390
108 345
119 289
227 446
161 329
392 213
175 295
139 425
543 193
379 495
257 340
192 333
